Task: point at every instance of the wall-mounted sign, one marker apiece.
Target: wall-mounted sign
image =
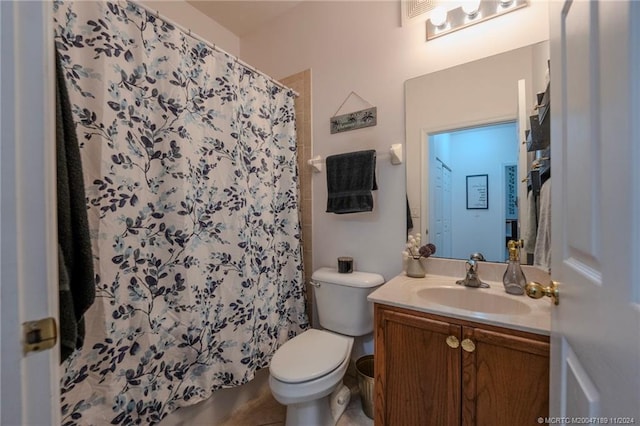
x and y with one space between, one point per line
477 192
354 120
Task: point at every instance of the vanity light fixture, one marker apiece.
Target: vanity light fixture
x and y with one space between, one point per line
471 8
439 17
471 12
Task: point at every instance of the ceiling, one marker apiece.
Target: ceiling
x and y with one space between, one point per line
242 16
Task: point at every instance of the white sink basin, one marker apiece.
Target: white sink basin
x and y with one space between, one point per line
475 300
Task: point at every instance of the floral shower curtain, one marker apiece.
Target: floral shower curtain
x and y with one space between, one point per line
190 170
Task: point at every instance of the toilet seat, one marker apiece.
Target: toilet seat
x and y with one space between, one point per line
309 355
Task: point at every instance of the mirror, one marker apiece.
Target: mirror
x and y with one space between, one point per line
465 157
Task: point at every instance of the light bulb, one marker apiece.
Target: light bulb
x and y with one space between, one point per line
439 16
470 7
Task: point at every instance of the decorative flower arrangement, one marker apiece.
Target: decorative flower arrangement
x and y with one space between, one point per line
415 250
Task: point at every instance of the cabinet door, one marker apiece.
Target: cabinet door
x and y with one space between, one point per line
505 379
417 372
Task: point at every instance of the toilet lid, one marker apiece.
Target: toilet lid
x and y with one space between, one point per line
309 355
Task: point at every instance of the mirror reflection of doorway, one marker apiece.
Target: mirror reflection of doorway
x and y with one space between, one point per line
440 203
456 230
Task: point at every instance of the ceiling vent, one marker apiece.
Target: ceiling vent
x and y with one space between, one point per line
412 10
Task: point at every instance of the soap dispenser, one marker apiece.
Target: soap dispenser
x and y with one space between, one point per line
513 279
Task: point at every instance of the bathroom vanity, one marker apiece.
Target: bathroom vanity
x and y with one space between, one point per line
452 355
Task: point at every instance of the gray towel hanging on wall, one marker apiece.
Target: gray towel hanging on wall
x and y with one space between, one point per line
350 179
75 260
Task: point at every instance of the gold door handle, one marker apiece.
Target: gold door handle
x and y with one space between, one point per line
468 345
536 291
453 342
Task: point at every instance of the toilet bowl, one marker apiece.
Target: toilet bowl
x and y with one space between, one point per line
306 375
306 372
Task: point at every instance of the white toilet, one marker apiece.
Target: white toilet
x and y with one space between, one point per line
306 372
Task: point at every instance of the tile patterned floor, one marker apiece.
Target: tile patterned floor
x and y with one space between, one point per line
266 411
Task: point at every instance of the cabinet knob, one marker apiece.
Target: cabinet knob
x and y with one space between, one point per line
468 345
453 342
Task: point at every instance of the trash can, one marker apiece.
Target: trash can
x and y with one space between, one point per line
364 369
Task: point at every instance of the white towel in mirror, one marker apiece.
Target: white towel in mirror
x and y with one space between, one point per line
542 251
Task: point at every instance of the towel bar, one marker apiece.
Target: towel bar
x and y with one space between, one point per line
394 155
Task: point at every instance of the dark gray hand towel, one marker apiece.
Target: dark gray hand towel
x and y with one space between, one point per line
76 278
409 219
350 179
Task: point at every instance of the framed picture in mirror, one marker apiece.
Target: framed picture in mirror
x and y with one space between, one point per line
477 192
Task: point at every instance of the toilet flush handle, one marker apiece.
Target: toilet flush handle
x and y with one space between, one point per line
315 284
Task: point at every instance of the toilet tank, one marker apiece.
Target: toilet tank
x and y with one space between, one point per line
341 300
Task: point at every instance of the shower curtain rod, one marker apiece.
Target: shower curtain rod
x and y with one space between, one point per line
158 15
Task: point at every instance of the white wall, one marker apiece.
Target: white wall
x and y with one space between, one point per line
360 46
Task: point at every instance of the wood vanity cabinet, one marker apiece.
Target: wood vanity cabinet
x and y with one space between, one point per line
492 376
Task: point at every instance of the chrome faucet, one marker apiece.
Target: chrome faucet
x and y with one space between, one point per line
477 256
472 279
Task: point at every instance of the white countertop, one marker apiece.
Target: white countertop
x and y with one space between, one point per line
403 291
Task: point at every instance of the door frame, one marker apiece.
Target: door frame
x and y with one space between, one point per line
29 384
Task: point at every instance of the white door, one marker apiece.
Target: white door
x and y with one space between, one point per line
439 232
29 385
595 98
436 228
447 200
